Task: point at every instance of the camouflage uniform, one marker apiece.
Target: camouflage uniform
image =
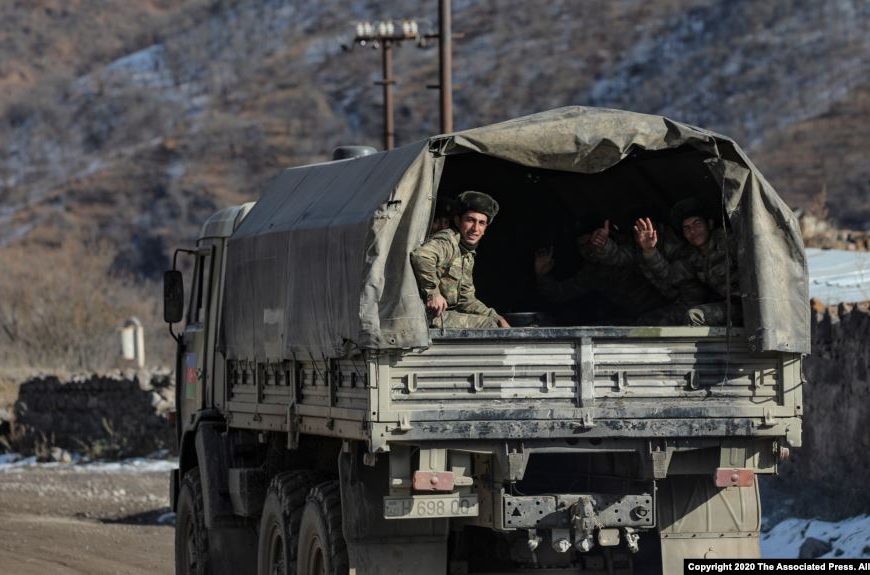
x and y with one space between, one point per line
713 269
621 285
444 265
613 270
624 254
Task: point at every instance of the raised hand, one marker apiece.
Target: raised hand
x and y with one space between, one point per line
601 235
645 235
544 261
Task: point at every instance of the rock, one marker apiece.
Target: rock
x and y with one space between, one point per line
812 548
59 455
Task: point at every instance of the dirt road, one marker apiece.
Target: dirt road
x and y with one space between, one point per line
84 519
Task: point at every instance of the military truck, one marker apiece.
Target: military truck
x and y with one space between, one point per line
323 427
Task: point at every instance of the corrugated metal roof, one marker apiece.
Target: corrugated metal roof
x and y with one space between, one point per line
839 276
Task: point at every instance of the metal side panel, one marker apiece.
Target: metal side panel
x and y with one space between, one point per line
318 397
584 377
497 374
681 368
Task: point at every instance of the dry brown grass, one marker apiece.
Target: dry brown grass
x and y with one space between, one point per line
62 310
825 153
43 38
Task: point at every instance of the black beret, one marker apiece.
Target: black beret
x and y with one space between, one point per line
477 202
687 208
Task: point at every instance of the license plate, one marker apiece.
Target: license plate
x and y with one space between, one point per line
424 506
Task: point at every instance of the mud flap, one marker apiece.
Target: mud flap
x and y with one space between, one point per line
232 550
211 459
376 545
699 520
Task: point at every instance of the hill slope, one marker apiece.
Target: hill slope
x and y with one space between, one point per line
131 122
146 143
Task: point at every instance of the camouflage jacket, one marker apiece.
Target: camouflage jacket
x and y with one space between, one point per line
623 286
615 254
712 269
442 265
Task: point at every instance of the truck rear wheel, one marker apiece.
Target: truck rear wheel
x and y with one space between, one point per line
191 535
322 549
279 524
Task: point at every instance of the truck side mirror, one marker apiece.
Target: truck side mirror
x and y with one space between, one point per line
173 296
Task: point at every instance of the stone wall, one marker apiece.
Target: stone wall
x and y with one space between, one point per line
835 456
819 233
99 416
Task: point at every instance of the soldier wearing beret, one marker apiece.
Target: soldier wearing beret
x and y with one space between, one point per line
711 261
444 267
609 268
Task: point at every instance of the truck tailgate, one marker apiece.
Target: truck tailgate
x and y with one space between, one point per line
595 381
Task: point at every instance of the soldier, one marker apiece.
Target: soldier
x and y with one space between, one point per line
444 267
601 247
441 219
609 269
710 261
682 296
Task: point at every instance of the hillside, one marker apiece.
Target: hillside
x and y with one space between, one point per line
128 123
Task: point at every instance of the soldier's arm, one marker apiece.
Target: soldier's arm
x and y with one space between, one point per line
426 260
724 268
667 277
468 302
610 254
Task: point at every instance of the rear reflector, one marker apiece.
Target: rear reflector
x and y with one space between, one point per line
433 481
733 477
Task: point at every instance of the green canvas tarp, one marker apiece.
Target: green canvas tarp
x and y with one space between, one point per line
319 267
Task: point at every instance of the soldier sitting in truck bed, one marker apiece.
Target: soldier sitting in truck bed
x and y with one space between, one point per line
711 261
609 267
444 267
624 293
443 215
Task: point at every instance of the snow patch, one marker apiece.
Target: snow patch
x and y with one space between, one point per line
146 68
166 519
849 538
13 462
322 49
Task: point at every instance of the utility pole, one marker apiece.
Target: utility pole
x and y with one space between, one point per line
387 66
445 64
387 34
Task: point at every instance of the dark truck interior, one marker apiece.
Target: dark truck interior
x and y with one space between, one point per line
547 208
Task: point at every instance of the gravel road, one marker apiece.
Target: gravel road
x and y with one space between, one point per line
82 519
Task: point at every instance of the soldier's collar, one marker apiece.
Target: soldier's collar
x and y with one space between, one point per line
466 249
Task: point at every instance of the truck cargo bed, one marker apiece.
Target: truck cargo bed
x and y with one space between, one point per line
630 381
535 383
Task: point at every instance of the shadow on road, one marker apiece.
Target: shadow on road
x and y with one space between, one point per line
163 517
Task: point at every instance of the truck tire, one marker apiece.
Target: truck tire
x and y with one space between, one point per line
279 524
191 535
322 550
